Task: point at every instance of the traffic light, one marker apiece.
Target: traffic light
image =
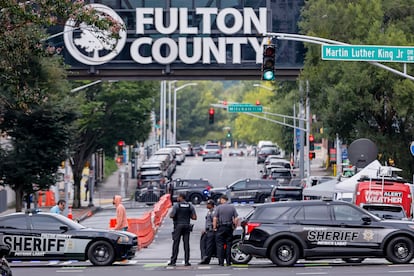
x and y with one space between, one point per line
311 147
311 144
211 116
257 102
228 135
269 61
312 155
120 151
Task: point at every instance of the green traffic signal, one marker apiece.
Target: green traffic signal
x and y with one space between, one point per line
269 61
268 75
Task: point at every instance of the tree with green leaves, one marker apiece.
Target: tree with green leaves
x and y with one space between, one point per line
34 112
109 112
357 99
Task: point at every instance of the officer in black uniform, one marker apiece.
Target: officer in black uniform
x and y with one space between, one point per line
208 236
225 219
181 214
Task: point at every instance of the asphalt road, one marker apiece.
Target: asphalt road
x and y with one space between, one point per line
152 260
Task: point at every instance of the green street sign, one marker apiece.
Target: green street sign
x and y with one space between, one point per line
368 53
244 108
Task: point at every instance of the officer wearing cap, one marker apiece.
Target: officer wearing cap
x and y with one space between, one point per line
181 214
208 236
225 219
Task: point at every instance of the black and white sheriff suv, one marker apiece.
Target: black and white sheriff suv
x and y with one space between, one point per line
317 229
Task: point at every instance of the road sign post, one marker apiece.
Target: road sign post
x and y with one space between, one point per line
244 108
368 53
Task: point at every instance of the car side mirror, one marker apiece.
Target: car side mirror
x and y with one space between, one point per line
366 219
64 228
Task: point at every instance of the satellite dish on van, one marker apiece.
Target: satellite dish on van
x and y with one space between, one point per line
362 152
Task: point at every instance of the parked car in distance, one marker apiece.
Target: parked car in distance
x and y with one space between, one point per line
187 147
245 190
386 211
179 153
212 151
236 152
281 175
151 185
286 193
265 152
195 190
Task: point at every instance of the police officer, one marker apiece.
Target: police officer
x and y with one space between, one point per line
208 236
225 219
181 214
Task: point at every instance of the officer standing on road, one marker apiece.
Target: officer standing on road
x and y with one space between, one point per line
224 221
181 214
208 236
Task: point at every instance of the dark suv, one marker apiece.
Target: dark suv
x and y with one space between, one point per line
314 229
196 190
245 190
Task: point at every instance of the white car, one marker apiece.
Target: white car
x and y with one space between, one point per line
180 154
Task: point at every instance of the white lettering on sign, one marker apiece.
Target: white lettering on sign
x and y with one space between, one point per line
228 21
389 197
189 43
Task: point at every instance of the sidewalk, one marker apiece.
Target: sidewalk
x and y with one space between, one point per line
102 197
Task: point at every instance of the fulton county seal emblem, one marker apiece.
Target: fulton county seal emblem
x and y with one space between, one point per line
368 235
91 46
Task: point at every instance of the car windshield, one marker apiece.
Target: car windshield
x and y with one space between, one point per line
281 174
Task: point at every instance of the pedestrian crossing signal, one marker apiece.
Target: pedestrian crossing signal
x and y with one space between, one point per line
269 61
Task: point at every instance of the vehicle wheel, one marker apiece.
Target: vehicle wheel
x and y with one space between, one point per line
204 159
196 198
220 159
237 256
101 253
353 260
400 250
284 253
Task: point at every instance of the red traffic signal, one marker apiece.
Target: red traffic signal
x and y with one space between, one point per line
312 155
257 102
311 138
211 116
121 143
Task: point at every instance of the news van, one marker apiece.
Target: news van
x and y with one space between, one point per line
385 189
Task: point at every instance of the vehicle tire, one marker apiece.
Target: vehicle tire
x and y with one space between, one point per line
204 159
196 199
220 159
237 256
400 250
101 253
284 253
353 260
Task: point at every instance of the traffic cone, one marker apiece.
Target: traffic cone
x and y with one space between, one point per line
70 216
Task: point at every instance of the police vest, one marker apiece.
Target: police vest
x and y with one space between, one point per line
183 213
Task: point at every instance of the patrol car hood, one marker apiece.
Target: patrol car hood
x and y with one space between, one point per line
108 232
218 190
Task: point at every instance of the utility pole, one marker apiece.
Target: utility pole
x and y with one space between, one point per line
308 122
302 134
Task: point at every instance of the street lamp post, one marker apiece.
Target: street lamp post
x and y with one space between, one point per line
262 86
175 106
